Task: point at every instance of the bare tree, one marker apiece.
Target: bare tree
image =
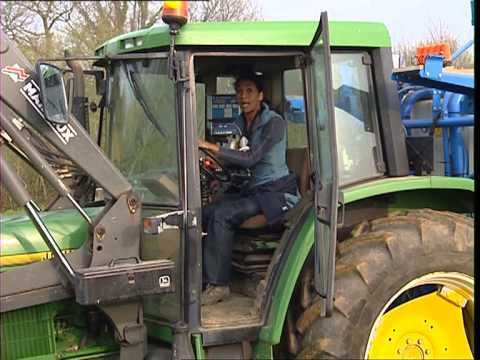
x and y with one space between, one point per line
437 33
144 14
225 10
33 25
94 22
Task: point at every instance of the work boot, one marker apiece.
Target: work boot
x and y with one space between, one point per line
215 293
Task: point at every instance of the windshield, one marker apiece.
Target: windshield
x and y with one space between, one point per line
142 129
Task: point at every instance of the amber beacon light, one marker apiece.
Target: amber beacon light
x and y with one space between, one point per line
175 13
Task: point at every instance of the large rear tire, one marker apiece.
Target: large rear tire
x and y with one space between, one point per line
403 289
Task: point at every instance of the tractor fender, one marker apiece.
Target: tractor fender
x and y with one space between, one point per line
288 272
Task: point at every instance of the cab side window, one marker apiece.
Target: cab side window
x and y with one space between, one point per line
355 117
294 108
226 85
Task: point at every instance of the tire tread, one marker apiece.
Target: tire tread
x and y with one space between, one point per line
364 260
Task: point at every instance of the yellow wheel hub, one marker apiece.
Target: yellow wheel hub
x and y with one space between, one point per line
427 327
414 345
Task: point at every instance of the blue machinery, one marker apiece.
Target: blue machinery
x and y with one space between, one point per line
452 95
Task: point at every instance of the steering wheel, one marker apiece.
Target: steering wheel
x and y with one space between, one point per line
224 174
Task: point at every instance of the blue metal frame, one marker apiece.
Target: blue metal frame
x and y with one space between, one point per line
460 51
433 70
452 105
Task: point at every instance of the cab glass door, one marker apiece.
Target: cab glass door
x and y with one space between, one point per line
323 154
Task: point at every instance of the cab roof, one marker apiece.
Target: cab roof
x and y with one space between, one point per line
249 33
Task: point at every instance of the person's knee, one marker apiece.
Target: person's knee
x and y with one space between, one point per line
233 213
211 211
251 207
221 214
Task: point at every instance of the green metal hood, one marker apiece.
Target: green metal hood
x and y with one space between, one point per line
20 242
249 33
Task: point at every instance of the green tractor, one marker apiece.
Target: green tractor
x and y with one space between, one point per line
373 262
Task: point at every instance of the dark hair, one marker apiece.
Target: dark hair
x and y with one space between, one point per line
251 76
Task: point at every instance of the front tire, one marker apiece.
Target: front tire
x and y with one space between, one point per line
388 275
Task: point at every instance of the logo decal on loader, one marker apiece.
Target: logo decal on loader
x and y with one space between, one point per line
164 281
31 91
15 72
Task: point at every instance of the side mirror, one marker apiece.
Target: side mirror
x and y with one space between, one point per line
52 93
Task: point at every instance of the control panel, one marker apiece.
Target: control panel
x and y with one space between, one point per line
227 128
221 113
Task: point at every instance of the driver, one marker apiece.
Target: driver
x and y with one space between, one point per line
271 191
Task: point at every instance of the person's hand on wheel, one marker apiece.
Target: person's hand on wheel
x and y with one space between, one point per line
202 144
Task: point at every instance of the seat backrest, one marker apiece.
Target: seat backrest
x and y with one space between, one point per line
297 162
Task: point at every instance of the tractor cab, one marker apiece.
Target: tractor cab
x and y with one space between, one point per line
124 276
169 87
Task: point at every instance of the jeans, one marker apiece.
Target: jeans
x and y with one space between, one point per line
220 219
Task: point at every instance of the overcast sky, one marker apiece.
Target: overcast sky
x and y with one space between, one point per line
407 20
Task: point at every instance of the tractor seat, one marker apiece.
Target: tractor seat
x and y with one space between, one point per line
255 242
297 162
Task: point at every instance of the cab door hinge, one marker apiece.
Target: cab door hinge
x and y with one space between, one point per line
377 156
323 204
301 61
366 59
341 203
155 225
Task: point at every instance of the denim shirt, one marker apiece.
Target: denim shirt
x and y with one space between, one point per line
274 188
267 140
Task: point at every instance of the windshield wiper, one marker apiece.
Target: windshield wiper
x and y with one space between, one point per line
138 96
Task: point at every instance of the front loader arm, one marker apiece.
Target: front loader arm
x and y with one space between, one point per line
20 92
107 270
21 108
